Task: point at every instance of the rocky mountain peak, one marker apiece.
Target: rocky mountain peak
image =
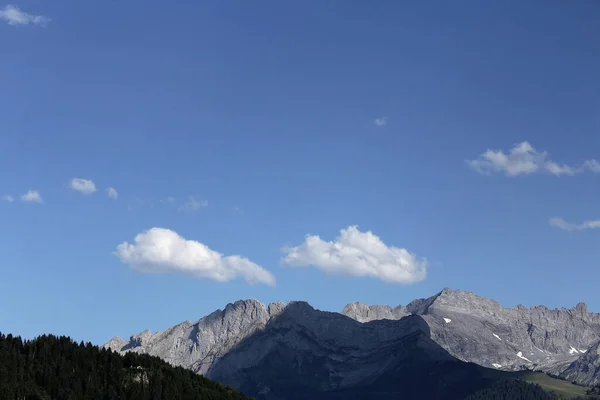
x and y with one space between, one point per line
300 304
274 309
141 338
248 306
455 301
446 291
476 329
364 313
421 306
297 310
446 299
115 344
581 308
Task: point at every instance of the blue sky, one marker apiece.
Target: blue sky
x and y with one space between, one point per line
243 127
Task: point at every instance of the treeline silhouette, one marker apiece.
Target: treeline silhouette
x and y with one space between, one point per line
594 392
515 389
56 368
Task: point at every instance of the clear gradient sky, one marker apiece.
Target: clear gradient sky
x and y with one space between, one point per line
463 135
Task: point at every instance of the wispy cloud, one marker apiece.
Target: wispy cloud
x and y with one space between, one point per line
83 186
592 165
160 251
237 210
32 196
568 226
359 254
168 200
193 204
7 197
523 159
14 16
112 193
382 121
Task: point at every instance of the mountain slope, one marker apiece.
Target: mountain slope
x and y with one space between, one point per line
468 327
296 352
50 367
586 368
197 345
479 330
304 353
365 313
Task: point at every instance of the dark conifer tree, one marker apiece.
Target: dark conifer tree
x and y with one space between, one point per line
53 368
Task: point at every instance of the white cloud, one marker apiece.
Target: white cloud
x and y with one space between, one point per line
32 196
14 16
169 200
381 121
160 250
112 193
193 204
523 159
8 198
359 254
83 186
568 226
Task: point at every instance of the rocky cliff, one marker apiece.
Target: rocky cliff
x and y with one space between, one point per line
586 368
479 330
304 350
350 347
197 345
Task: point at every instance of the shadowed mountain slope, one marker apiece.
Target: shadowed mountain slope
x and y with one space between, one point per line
296 352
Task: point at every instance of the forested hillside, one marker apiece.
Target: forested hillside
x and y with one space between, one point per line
51 367
515 389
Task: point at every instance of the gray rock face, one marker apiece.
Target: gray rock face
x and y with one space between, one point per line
115 344
197 345
586 368
479 330
229 344
327 349
365 313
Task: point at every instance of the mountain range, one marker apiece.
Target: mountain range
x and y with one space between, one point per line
458 339
476 329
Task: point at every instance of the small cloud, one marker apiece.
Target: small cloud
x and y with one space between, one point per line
382 121
592 165
237 210
358 253
32 196
161 251
14 16
112 193
169 200
523 159
193 204
567 226
83 186
8 198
